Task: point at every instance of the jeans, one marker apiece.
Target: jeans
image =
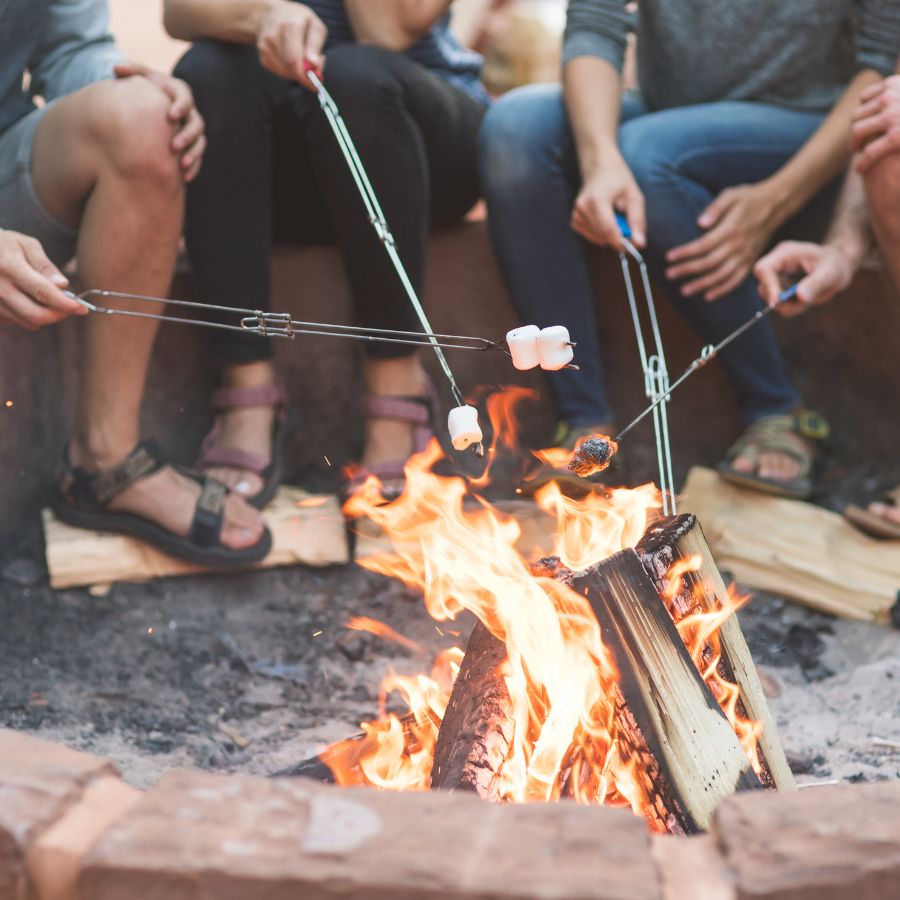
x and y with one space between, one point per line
682 158
273 171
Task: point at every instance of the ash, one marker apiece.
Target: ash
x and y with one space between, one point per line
182 672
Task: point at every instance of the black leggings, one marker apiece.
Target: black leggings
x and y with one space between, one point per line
274 171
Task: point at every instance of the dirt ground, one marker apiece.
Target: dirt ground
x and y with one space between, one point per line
150 675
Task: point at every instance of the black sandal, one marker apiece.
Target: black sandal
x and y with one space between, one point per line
82 499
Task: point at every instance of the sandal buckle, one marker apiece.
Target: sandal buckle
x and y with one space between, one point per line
811 425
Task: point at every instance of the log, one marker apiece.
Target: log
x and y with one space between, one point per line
686 732
306 529
796 549
477 729
670 540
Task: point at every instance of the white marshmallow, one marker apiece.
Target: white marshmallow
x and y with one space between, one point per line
462 424
522 343
554 348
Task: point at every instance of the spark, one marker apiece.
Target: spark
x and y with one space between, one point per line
518 490
150 630
316 633
327 460
9 404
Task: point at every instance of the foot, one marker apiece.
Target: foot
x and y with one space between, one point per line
890 512
774 465
247 429
169 499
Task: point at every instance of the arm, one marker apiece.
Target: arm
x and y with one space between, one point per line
394 24
287 34
594 50
827 269
75 50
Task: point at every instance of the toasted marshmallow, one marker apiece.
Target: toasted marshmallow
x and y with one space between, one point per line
462 423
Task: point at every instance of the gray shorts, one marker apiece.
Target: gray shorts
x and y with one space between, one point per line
20 208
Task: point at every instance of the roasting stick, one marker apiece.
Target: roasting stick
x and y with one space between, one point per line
707 354
656 374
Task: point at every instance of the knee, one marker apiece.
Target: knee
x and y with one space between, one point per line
128 121
522 138
362 77
883 189
216 71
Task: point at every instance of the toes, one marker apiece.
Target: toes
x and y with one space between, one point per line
886 511
243 526
247 484
743 464
778 467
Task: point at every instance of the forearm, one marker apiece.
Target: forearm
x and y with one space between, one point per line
821 157
592 93
850 232
394 24
226 20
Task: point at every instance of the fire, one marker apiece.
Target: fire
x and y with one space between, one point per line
699 627
461 553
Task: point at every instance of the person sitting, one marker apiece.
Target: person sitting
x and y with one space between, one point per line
98 172
412 101
869 202
740 122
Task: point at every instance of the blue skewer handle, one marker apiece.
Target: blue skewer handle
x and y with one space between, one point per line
788 294
624 227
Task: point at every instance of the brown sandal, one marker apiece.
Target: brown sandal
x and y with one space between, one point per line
874 524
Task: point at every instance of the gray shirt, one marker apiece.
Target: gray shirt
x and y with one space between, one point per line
795 53
62 45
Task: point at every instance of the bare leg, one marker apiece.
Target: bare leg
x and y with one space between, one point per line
102 161
883 190
387 440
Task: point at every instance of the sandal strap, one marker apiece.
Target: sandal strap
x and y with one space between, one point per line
414 410
893 496
97 489
209 514
215 457
770 434
225 399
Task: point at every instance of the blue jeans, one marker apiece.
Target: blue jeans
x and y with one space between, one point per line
682 158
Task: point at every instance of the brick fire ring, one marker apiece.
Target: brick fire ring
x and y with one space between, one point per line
71 829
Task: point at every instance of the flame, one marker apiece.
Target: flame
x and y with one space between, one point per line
698 625
379 629
561 679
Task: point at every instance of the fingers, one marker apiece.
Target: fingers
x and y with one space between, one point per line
129 69
873 91
193 159
315 42
865 130
42 281
877 149
25 312
699 264
181 96
699 247
292 45
714 212
768 272
637 218
713 278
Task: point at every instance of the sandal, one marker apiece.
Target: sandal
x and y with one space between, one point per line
82 499
418 411
217 457
568 437
772 434
875 524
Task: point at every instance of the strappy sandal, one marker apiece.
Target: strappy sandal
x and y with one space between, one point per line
873 523
214 456
772 434
82 500
568 437
417 411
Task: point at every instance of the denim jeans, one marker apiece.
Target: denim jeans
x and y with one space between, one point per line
682 158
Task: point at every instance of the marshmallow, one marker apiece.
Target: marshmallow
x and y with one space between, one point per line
522 343
462 424
554 348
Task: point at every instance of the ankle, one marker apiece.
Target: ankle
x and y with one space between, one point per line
254 374
96 451
404 376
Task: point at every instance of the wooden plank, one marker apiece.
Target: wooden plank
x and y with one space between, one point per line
686 731
682 538
795 549
306 529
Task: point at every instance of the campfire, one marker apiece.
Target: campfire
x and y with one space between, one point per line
611 671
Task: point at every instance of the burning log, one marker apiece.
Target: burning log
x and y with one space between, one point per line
683 726
665 543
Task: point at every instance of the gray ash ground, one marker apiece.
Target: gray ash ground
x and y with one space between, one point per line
147 674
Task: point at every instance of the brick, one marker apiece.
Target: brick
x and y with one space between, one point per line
198 836
54 859
691 868
823 843
38 782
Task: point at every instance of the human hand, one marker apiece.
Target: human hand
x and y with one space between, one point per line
876 123
738 223
189 140
609 188
289 36
826 268
30 285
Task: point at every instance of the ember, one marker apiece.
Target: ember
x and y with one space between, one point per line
593 456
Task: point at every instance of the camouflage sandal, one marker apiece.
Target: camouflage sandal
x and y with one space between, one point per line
873 520
775 434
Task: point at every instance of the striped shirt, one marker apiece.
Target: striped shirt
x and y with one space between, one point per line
438 50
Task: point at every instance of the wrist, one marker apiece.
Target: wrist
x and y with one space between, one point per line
782 199
598 155
851 250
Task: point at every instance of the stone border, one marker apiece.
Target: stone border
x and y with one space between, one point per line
71 829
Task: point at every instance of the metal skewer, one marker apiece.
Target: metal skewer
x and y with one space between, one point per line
270 324
656 374
707 354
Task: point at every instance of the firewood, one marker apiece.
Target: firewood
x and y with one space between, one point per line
686 731
795 549
682 538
